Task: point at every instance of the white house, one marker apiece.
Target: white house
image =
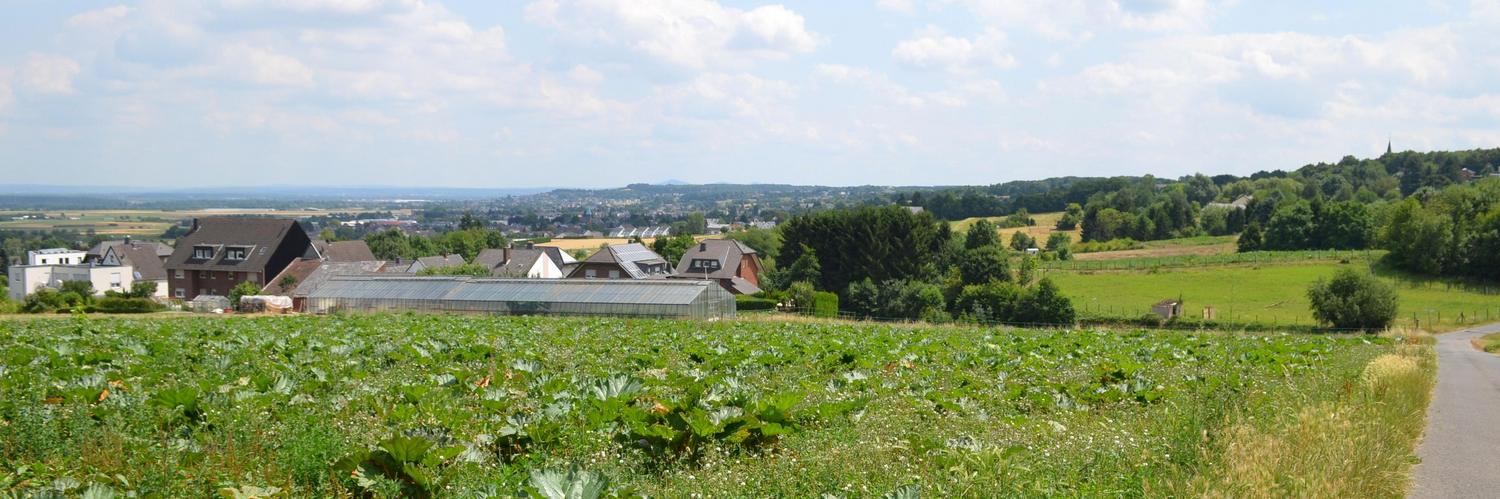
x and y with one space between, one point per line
55 256
26 279
532 262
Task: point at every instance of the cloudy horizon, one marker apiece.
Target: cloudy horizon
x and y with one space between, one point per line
600 93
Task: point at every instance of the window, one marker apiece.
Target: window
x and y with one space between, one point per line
704 265
203 252
181 274
114 279
180 293
614 274
590 273
203 274
236 253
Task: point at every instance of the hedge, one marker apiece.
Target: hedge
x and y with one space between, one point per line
746 302
825 304
116 305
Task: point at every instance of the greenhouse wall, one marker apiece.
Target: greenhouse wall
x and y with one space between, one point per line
604 297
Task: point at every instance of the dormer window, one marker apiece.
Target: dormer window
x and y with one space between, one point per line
203 252
236 253
704 265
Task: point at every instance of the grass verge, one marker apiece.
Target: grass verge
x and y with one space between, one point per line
1489 343
1359 444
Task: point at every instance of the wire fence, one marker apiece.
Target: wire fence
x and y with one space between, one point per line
1145 263
1121 317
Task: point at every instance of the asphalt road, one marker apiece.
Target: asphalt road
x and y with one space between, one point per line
1460 450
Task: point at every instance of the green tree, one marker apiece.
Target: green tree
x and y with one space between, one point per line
470 222
1294 226
4 263
1027 271
982 233
1419 240
1020 241
1061 244
142 289
1353 300
989 302
672 248
984 264
766 242
805 269
1071 217
1045 304
467 269
881 243
1250 240
245 288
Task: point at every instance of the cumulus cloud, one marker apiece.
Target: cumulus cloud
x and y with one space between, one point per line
99 18
1078 20
49 74
687 33
943 51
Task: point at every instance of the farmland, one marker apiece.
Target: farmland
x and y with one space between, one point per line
141 223
1270 292
477 406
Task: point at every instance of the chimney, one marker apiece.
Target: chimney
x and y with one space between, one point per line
127 239
530 245
702 246
505 254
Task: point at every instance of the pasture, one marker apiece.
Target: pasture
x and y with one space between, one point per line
465 406
1268 292
1046 224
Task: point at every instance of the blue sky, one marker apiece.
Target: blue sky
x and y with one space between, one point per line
600 93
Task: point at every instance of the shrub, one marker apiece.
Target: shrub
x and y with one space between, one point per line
468 269
122 305
1353 300
800 294
984 264
246 288
1120 244
825 304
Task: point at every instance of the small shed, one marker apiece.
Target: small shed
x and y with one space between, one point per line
1168 309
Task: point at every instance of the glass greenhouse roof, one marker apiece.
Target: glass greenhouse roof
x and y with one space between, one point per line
623 291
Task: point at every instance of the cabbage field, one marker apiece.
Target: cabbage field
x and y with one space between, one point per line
464 406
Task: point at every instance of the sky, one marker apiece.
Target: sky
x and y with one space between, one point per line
599 93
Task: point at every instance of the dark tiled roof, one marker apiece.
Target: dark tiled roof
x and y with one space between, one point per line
628 257
727 252
344 251
521 261
299 270
261 236
161 249
143 258
490 257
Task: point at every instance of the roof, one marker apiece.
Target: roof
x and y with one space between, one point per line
1168 302
397 266
299 269
558 256
144 259
344 251
521 262
628 257
162 250
727 252
601 291
55 251
490 257
260 235
434 262
331 270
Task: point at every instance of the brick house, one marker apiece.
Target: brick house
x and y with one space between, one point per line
734 265
218 253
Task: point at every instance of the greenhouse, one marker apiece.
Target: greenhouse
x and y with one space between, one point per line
612 297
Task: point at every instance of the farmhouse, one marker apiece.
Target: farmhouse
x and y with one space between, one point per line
735 266
623 261
218 253
624 298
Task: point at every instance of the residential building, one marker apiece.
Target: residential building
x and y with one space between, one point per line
96 253
26 279
529 262
55 256
219 253
731 263
144 259
622 261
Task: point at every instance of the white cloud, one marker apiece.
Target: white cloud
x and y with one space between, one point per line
49 74
954 53
687 33
264 66
6 97
1077 20
99 18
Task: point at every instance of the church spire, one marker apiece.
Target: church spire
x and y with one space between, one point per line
1387 145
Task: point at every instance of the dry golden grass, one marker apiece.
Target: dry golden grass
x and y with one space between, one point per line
1361 445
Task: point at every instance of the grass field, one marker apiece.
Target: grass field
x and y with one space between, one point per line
1046 224
1202 245
1270 292
464 406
